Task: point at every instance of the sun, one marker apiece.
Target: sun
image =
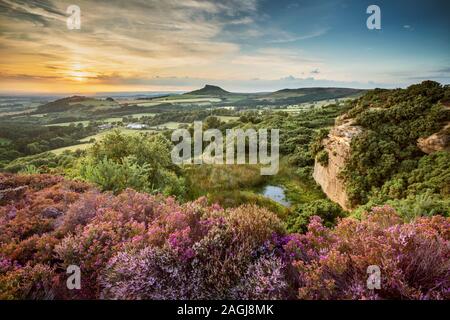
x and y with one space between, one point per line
78 73
77 76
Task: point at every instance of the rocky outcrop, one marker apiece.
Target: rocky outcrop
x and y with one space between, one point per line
439 141
337 145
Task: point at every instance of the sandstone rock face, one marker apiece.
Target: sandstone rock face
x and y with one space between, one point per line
337 145
436 142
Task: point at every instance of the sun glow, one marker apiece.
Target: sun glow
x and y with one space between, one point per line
78 73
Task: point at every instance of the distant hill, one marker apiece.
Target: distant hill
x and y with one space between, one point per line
280 97
77 104
311 94
209 90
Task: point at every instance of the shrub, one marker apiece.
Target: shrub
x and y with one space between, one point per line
29 282
140 246
385 157
116 177
413 258
322 158
324 208
265 279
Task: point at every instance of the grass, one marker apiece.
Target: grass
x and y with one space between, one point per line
97 104
232 185
4 141
101 134
227 118
174 99
145 114
298 190
148 104
207 178
168 125
107 120
83 146
189 98
66 124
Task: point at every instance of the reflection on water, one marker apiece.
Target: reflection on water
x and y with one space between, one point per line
276 194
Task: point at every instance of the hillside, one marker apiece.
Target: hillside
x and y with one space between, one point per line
209 90
392 145
281 97
76 104
315 93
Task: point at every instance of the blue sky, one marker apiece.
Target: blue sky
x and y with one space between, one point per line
242 45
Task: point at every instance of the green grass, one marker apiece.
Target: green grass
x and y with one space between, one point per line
232 185
4 141
66 124
83 146
101 134
298 190
107 120
168 125
175 99
186 98
111 120
148 104
145 114
97 104
227 118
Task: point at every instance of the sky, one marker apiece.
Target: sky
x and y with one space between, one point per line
240 45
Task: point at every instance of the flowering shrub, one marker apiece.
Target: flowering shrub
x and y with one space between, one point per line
141 246
264 280
414 258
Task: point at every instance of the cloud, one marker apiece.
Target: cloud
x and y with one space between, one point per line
289 37
117 42
408 27
38 13
144 44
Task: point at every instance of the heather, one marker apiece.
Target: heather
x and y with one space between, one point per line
133 245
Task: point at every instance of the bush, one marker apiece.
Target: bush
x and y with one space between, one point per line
140 246
413 258
385 157
141 162
116 177
322 158
324 208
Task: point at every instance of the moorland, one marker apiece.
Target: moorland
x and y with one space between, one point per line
89 181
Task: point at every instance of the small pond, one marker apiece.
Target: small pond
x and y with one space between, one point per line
277 194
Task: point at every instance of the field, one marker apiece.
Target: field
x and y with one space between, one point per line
168 125
64 124
175 99
227 118
97 104
295 108
106 120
